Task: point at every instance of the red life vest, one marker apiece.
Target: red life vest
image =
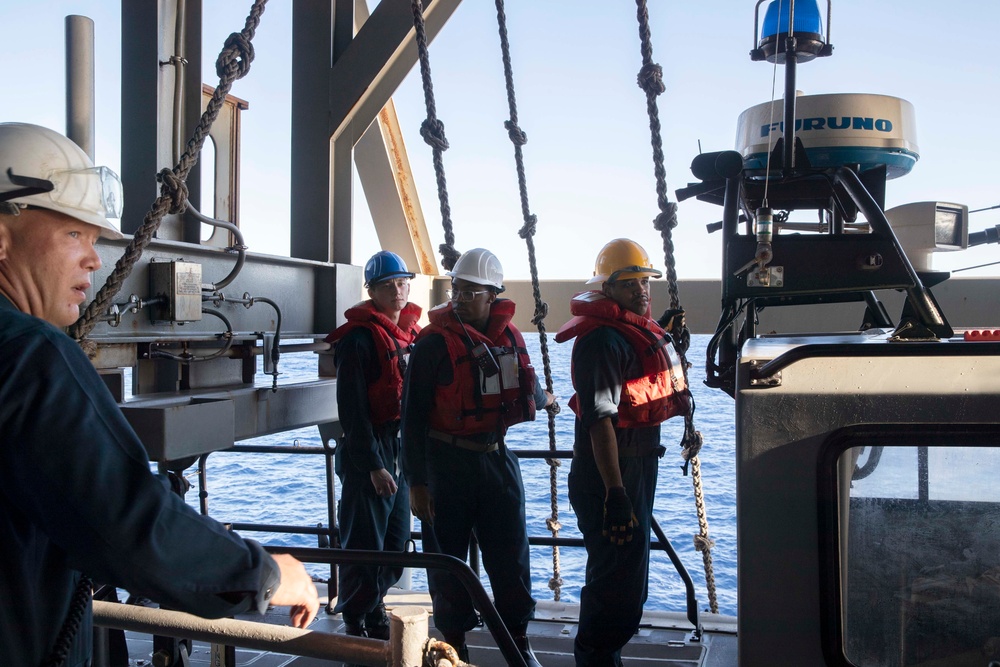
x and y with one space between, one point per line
392 346
660 392
474 403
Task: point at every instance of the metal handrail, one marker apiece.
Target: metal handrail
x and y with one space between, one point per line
457 568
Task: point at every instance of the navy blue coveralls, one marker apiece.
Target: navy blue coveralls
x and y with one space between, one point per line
472 491
367 521
77 495
615 588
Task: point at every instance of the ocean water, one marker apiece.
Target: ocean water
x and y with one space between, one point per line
290 489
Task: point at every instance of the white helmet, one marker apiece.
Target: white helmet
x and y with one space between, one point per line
479 266
41 167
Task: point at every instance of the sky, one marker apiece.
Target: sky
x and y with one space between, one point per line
588 157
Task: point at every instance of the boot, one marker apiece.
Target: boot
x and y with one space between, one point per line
354 626
457 641
520 636
377 623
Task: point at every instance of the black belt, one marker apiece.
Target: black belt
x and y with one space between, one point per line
464 443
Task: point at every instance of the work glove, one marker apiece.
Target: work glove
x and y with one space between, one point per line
672 321
619 521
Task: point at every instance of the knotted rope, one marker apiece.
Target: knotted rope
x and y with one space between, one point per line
432 130
518 138
650 79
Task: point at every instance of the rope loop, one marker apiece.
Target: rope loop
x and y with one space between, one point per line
703 543
650 79
516 134
439 653
236 52
432 130
667 218
174 189
530 223
449 255
692 445
541 312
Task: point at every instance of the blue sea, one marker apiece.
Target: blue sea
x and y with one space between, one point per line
287 489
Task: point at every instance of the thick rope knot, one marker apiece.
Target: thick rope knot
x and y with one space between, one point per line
555 583
530 223
448 256
667 219
516 134
438 653
692 445
553 408
541 312
174 188
650 79
432 130
237 51
553 525
89 348
703 543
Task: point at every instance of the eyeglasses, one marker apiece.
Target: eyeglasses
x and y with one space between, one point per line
91 188
465 294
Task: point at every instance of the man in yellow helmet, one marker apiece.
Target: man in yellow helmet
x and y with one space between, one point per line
78 496
627 383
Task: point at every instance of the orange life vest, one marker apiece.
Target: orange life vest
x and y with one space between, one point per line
393 343
660 392
473 402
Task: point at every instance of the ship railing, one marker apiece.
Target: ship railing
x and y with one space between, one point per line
290 641
330 536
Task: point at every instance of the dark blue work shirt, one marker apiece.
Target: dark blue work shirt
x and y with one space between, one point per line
77 495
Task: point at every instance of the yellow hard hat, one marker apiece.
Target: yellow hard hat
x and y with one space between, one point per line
622 259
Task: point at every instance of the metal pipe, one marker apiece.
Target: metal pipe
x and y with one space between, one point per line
246 634
80 82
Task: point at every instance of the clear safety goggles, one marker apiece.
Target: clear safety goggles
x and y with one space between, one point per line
97 189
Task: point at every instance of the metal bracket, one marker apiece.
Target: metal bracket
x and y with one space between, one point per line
769 276
763 381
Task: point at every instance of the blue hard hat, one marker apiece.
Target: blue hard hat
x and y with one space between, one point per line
384 265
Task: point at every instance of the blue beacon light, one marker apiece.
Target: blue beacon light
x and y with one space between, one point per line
807 31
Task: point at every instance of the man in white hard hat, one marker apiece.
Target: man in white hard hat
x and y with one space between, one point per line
77 493
627 381
374 510
468 380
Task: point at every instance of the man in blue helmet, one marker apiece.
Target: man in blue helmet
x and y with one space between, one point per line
371 353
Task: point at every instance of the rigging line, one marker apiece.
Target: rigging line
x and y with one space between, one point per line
770 133
650 79
518 138
432 130
233 63
978 266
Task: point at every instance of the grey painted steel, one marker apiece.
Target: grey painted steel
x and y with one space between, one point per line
183 429
335 98
245 634
308 292
148 106
780 432
256 411
80 82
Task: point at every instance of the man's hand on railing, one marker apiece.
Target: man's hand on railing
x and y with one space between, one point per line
296 590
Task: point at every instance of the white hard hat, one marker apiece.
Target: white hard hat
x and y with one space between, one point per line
479 266
41 167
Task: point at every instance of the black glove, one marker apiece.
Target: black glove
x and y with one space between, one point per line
619 521
672 321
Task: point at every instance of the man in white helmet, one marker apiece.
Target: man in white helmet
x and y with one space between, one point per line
627 381
468 380
76 493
